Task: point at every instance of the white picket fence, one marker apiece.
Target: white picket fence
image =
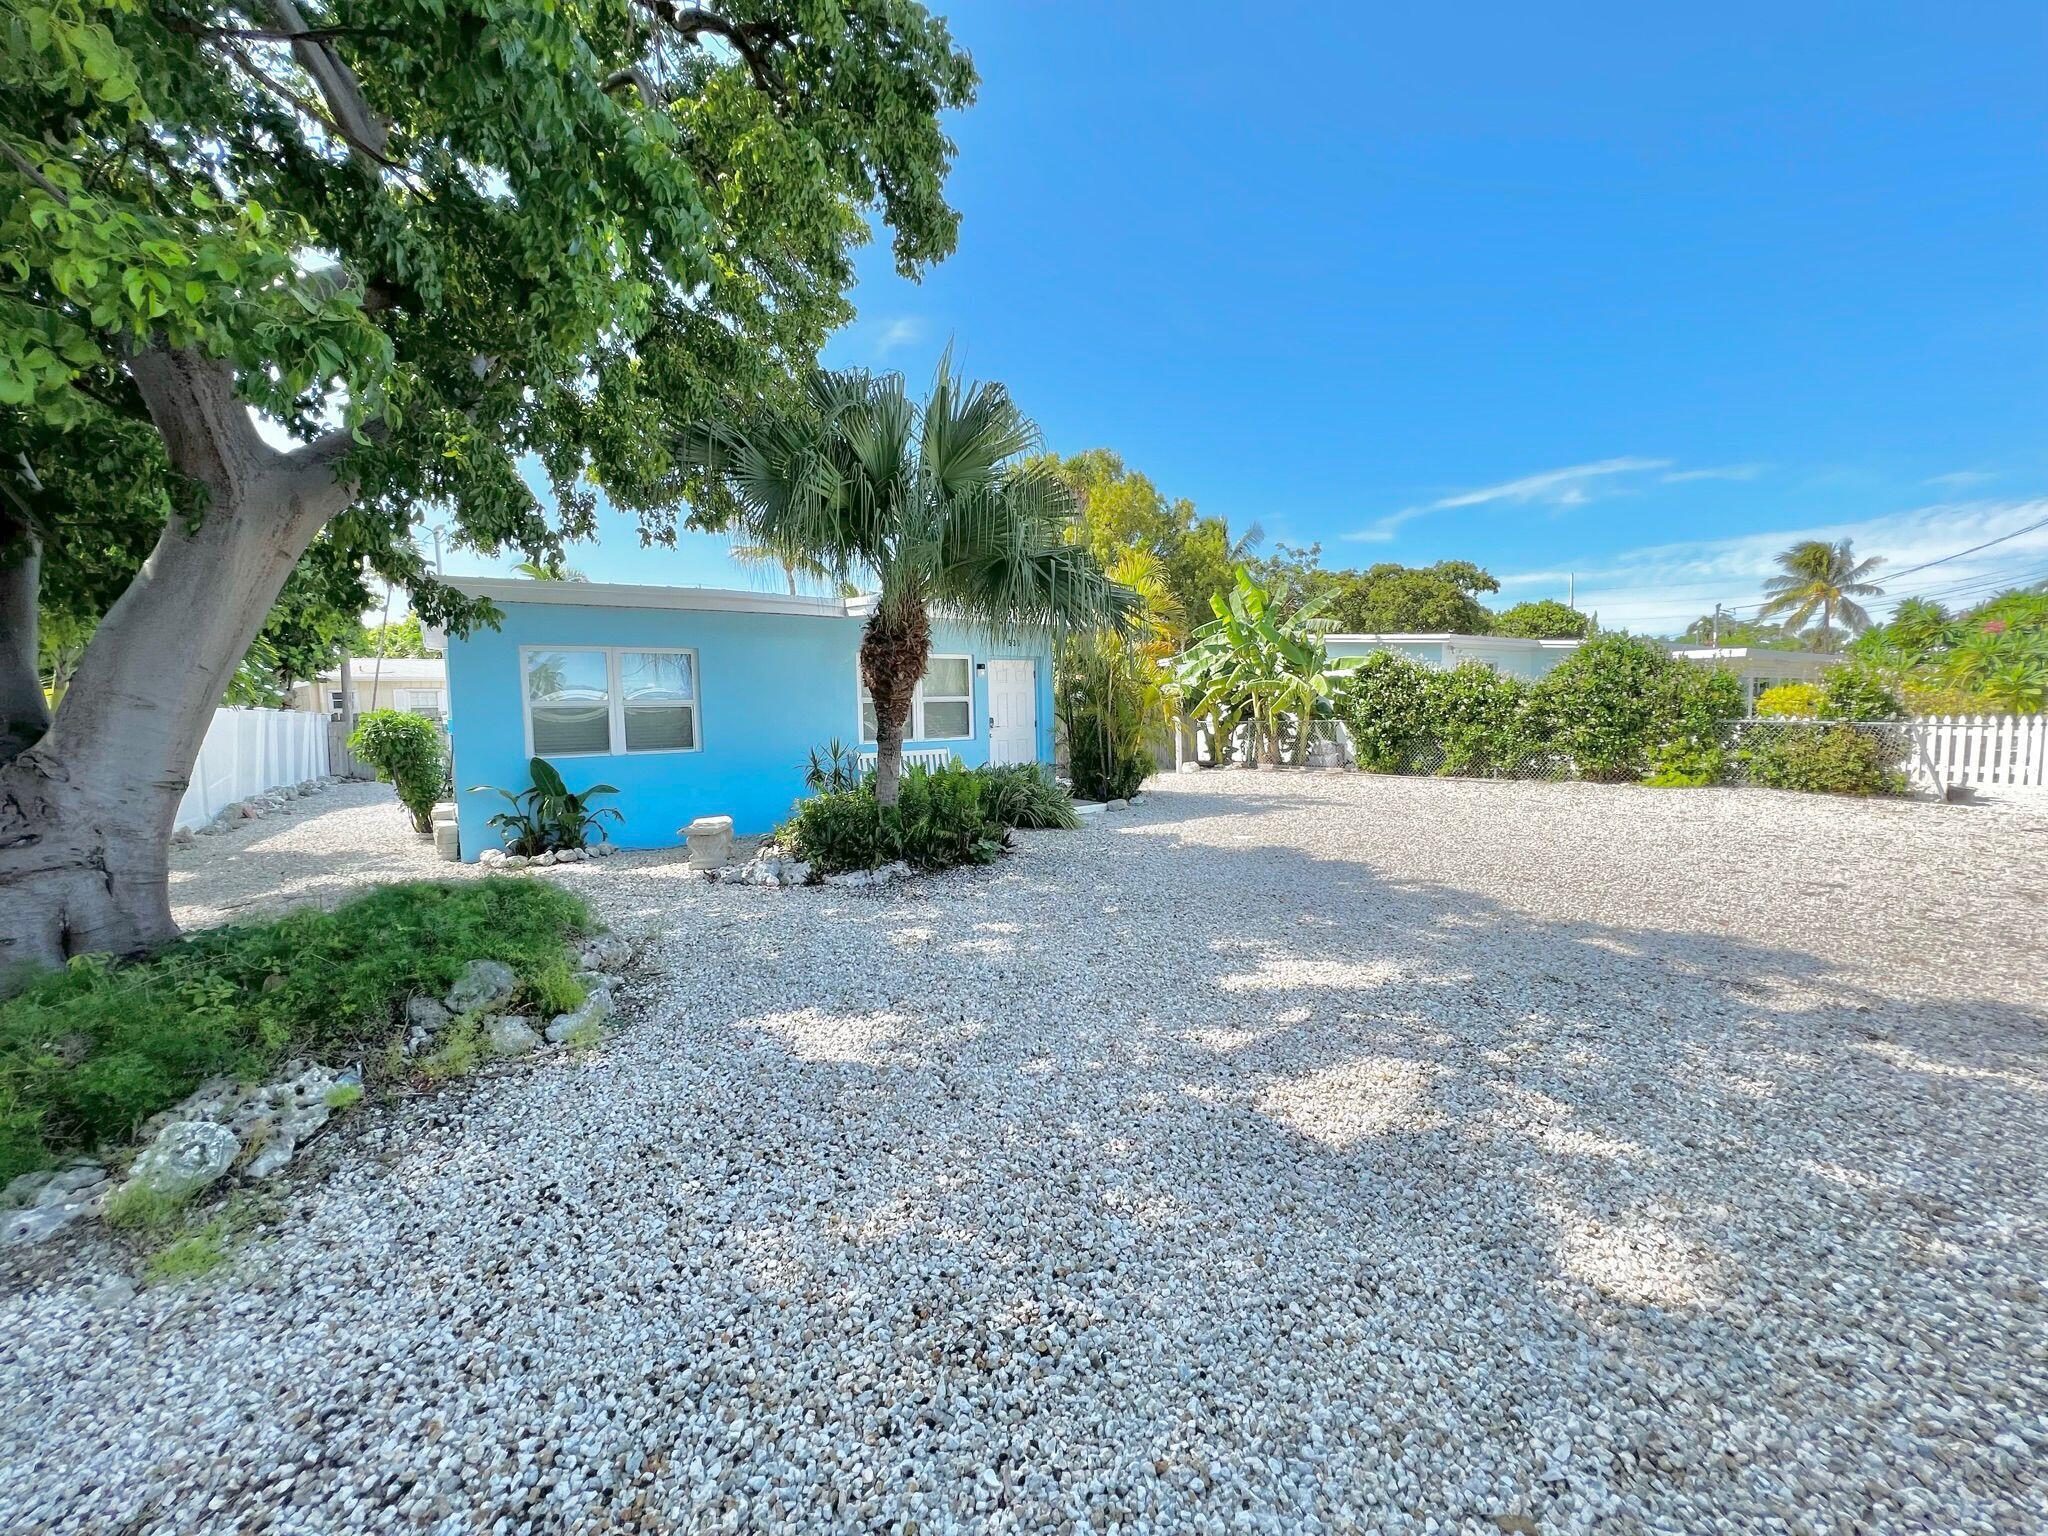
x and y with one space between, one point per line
247 751
1982 749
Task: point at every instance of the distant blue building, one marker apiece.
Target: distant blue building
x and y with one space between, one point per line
699 702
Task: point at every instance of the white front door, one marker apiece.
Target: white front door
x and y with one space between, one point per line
1013 711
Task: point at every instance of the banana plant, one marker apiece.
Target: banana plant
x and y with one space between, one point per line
1250 661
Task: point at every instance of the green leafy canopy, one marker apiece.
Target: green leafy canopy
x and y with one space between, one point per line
463 235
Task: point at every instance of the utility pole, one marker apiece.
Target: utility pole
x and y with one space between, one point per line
1571 590
1717 626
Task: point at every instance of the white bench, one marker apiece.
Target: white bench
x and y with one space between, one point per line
930 757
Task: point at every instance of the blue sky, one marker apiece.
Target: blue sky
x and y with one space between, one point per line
1632 294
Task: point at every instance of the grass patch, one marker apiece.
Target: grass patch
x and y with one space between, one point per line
342 1095
584 1035
463 1046
198 1252
556 988
137 1208
90 1052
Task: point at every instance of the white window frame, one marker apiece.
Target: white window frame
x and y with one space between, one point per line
915 724
617 699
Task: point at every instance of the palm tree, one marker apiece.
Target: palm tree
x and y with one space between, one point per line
930 503
533 570
1823 576
793 563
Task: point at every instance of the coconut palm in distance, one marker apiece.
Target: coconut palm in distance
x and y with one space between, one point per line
1824 578
930 505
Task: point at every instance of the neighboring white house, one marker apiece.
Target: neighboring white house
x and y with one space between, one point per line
1531 659
417 685
1760 669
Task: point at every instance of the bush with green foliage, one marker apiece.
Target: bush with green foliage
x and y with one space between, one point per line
1478 718
89 1052
1025 796
1103 703
939 821
547 816
1617 699
1827 759
1859 693
1686 764
1385 707
1789 701
1547 620
405 749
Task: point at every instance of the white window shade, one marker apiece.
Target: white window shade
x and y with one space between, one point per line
568 702
941 708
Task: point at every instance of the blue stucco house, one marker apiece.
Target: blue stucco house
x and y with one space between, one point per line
695 701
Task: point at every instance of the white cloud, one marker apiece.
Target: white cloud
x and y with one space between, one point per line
1573 486
1661 588
902 331
1960 479
1723 472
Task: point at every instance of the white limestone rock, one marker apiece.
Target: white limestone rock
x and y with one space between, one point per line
185 1157
483 984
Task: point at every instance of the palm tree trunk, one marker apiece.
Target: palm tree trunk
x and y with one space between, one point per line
893 651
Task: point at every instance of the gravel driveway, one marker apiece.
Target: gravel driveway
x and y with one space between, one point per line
1295 1153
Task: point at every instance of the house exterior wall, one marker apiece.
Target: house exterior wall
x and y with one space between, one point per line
1528 659
770 687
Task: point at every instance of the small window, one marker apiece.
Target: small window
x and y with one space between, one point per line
658 690
334 698
946 697
568 702
941 708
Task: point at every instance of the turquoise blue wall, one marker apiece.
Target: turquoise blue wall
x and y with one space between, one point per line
770 687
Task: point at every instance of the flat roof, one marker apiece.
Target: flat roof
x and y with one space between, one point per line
1507 642
608 594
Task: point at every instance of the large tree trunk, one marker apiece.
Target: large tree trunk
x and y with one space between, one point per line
893 651
86 813
23 714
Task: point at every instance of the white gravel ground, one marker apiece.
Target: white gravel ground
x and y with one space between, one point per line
1292 1154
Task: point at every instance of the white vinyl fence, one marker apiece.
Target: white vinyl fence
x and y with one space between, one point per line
247 751
1982 749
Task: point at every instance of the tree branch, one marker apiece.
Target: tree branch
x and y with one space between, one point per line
337 83
207 433
753 41
27 168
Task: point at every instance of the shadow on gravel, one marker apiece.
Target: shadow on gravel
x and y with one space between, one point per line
1650 1142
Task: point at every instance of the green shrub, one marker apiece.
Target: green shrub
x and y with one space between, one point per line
1617 699
1828 759
1026 796
1476 716
547 816
1789 701
938 822
90 1052
1384 706
1687 764
1103 705
406 751
1859 693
